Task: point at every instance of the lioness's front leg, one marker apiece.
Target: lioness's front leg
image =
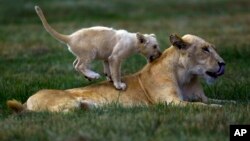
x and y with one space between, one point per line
194 92
218 101
195 89
173 95
115 64
185 103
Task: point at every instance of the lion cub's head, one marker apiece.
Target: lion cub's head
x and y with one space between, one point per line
148 46
199 57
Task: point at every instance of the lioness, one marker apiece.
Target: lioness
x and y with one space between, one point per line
172 78
107 44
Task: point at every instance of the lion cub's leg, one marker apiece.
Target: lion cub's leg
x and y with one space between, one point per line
74 64
106 70
82 66
115 66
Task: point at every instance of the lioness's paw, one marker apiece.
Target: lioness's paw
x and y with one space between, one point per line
232 102
120 86
215 105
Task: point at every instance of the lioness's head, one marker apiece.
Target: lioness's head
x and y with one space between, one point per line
148 46
199 57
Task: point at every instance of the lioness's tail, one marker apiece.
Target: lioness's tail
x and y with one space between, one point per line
16 106
58 36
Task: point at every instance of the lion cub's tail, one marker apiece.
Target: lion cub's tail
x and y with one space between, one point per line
54 33
16 106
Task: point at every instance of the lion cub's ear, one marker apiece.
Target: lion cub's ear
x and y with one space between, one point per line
177 41
153 35
141 38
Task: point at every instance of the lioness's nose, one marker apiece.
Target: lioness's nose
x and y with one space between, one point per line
221 63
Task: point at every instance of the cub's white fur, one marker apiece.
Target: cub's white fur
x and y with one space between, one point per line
107 44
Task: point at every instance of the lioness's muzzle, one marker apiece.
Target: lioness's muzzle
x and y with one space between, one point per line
220 72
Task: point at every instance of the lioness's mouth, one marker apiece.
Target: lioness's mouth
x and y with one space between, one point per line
218 73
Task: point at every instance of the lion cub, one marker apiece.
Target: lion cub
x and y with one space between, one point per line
107 44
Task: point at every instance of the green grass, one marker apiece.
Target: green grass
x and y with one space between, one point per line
158 122
30 60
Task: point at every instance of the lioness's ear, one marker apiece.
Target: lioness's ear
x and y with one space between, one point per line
140 37
177 41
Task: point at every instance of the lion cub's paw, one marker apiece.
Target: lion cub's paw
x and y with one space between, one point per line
92 76
215 105
96 76
120 86
108 77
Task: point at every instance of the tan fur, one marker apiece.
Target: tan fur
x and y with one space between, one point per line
107 44
172 78
15 105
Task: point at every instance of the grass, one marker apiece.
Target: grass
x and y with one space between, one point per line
158 122
30 60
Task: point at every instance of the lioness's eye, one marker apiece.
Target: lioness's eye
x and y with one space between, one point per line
205 49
